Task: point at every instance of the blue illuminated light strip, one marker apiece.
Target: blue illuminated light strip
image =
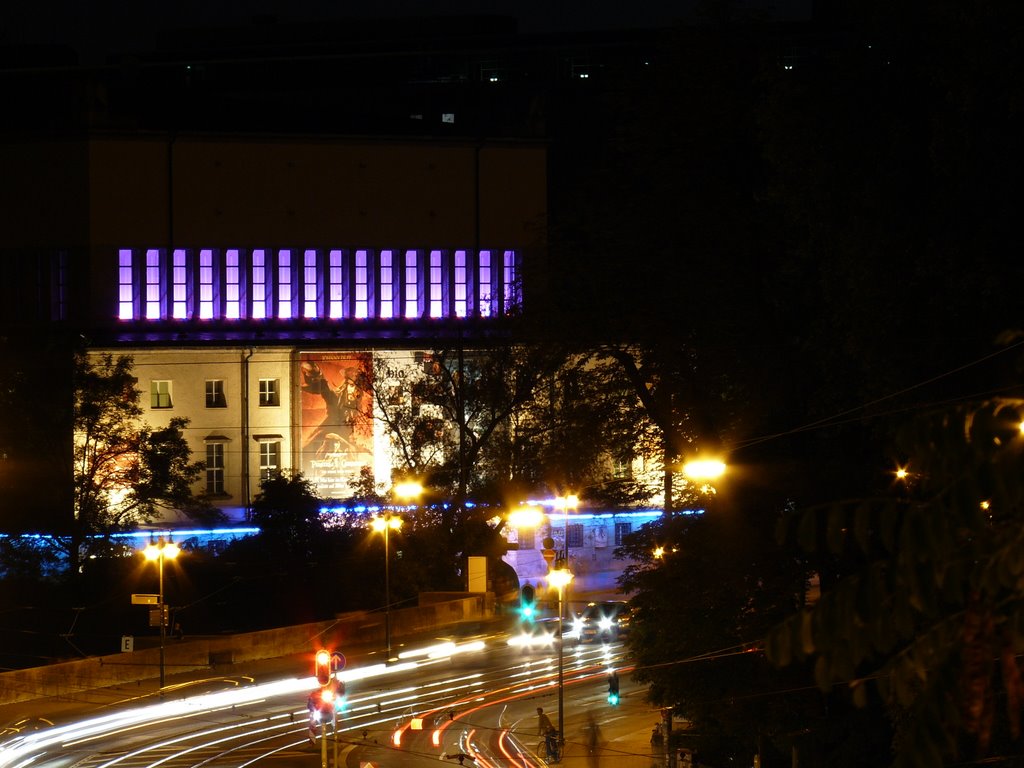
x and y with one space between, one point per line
179 532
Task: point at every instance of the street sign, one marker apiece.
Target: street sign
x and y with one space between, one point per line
127 643
145 599
548 555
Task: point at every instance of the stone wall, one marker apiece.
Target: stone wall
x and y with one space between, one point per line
69 680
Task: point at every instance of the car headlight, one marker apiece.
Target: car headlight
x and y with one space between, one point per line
605 624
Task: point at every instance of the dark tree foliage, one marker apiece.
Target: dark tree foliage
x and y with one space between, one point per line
36 427
706 590
925 604
287 511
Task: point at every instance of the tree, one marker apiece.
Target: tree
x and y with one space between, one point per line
509 417
287 511
706 590
125 471
925 608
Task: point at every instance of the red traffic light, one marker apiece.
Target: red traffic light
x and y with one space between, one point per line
323 667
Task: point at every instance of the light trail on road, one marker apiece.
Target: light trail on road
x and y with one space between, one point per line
242 726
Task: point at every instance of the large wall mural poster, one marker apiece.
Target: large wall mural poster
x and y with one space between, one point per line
336 414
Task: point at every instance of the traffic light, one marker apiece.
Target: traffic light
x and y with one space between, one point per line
323 667
613 689
527 603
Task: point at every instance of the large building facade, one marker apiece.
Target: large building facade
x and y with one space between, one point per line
260 285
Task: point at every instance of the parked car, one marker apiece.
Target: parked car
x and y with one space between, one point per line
605 622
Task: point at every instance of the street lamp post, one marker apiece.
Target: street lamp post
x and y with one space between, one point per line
159 551
385 524
560 578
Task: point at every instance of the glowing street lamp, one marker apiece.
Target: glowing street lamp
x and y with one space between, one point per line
525 517
159 551
704 469
408 490
385 524
559 578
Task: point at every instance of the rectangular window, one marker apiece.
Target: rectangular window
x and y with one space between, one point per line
461 284
259 284
510 282
362 285
436 297
335 283
284 284
621 531
269 392
126 285
215 468
412 284
160 394
387 284
215 394
232 285
270 459
179 284
59 295
154 284
574 535
622 468
310 289
483 294
526 538
206 284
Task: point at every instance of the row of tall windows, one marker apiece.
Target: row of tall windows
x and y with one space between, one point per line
160 393
574 532
314 284
270 463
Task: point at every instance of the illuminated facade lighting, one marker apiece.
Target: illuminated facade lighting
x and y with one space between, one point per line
238 285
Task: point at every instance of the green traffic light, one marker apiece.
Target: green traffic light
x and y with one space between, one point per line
528 612
613 699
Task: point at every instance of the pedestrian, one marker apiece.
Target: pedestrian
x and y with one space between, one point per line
592 738
544 730
543 722
657 744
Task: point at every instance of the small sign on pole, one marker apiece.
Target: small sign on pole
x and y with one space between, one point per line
127 643
145 599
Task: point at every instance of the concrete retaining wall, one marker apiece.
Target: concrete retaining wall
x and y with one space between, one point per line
68 680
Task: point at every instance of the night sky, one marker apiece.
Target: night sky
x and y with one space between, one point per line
95 29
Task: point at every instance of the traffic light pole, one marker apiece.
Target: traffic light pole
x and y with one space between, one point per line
163 623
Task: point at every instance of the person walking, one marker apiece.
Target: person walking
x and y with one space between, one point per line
592 738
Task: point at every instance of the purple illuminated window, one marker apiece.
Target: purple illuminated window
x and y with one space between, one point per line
461 283
436 298
310 294
154 284
509 281
232 285
284 284
209 284
387 284
126 285
206 275
362 287
335 283
179 284
484 284
259 284
412 286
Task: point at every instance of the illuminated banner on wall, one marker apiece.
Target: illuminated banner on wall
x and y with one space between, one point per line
336 419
